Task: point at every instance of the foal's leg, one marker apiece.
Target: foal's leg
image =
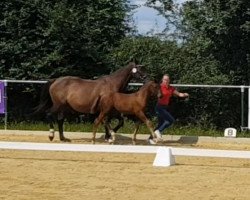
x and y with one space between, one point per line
149 124
107 130
97 122
137 125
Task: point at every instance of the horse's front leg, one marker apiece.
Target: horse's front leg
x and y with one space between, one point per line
107 135
60 121
111 131
120 123
137 125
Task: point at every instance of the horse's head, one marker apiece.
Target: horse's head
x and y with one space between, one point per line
138 72
120 79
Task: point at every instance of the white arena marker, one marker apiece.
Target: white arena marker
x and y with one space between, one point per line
230 132
164 157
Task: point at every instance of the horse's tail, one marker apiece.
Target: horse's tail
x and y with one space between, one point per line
45 99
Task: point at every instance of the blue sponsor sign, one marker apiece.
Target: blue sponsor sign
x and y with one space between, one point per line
2 99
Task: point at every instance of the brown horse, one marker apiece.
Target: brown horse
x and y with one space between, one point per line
133 104
73 94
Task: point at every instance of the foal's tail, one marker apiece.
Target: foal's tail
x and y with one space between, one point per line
45 99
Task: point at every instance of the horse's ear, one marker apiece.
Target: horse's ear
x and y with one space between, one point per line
132 64
141 67
156 81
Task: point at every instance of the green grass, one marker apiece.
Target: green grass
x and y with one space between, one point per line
128 128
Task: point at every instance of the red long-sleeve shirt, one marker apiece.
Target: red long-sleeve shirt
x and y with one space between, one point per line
167 93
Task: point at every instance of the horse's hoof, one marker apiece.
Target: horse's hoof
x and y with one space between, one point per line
107 139
111 141
112 133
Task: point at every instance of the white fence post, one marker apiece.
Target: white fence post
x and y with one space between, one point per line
5 104
248 108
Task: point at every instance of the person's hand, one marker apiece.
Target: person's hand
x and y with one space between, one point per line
186 96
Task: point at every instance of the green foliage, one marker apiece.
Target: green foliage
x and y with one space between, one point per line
41 39
218 38
157 56
225 24
205 42
213 48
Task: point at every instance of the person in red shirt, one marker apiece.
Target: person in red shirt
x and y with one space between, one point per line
165 119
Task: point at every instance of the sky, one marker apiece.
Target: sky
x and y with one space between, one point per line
147 19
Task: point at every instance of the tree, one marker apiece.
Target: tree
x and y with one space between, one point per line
42 39
225 24
222 27
214 50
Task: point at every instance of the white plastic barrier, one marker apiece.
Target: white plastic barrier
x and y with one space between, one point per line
164 155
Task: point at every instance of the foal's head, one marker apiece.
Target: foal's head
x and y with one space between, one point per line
153 88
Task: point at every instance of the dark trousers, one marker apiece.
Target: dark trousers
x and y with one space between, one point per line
165 119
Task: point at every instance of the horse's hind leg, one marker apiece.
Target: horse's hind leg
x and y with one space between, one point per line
50 119
50 116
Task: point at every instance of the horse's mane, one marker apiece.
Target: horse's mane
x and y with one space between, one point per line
129 66
146 85
117 72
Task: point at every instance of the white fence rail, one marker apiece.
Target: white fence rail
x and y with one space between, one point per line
164 155
241 87
123 149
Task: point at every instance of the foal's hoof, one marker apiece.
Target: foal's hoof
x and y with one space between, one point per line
51 138
152 141
65 140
